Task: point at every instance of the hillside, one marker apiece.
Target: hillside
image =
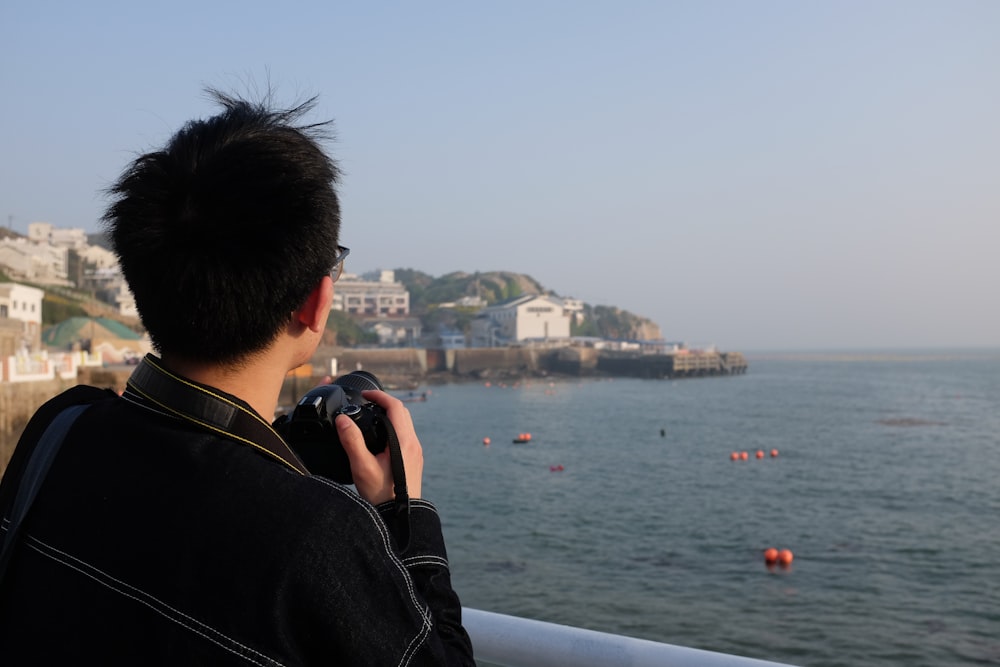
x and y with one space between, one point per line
426 292
492 286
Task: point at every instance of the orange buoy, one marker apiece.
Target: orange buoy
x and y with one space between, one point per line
774 453
770 555
486 441
760 453
785 557
735 456
744 456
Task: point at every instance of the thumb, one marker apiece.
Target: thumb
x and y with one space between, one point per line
351 438
372 476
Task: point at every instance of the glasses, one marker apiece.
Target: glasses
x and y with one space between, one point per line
338 262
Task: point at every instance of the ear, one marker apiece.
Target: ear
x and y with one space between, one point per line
313 313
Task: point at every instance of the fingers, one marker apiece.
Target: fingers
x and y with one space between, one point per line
409 444
372 473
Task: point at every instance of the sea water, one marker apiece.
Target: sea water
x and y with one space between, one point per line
624 513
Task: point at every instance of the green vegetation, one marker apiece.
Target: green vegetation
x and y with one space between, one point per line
587 328
346 332
493 287
57 308
511 288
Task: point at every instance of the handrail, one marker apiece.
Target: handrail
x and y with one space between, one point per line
520 642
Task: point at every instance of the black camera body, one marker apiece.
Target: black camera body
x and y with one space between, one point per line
312 434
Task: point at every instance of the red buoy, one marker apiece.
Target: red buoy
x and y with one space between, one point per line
774 453
770 555
785 557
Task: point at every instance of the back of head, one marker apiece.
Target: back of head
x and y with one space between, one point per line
224 232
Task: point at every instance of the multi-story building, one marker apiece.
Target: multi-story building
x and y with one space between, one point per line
378 295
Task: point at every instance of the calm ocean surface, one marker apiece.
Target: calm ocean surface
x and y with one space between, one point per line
886 488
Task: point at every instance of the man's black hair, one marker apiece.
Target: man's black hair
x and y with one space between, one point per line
226 230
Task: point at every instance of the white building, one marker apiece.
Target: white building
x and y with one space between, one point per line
20 302
379 295
528 317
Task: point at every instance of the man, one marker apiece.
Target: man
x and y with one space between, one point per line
175 526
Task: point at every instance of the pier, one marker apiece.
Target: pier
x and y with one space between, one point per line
680 364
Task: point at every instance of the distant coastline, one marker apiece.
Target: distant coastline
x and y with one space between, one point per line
877 354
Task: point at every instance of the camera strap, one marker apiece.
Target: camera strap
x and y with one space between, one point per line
402 499
208 408
223 414
33 476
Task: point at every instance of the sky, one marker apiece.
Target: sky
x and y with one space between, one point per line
750 174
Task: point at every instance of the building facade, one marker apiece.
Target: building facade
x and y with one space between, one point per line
380 295
23 304
530 317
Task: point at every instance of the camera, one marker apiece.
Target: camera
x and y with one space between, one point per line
312 434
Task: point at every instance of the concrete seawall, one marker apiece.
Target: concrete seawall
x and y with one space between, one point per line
408 367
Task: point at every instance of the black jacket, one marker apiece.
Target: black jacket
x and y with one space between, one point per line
157 542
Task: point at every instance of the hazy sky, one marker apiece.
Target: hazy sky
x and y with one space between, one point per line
754 174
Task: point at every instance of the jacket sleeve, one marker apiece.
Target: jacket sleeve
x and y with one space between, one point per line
426 560
355 596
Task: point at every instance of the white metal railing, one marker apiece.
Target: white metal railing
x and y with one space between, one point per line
520 642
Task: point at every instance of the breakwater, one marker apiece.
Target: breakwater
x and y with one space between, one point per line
408 367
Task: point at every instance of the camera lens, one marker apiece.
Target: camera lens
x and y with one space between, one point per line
359 380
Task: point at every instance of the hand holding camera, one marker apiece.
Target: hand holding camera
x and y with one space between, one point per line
342 431
373 475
